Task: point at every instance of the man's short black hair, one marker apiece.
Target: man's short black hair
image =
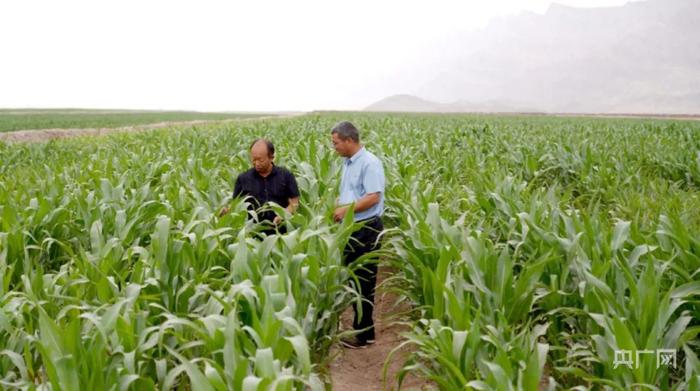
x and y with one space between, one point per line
268 143
346 130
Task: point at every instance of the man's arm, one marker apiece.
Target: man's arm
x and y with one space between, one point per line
373 183
293 193
237 192
293 197
364 203
293 205
238 188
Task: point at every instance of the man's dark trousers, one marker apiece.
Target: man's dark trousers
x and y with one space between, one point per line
361 242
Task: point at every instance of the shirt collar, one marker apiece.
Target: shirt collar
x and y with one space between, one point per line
354 157
271 174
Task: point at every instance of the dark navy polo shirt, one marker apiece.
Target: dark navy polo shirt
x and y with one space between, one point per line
279 186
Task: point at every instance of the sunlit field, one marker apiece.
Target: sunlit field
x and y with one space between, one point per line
23 119
534 253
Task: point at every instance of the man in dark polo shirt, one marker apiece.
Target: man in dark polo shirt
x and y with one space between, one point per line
266 182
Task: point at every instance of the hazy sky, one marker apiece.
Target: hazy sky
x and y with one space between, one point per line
228 55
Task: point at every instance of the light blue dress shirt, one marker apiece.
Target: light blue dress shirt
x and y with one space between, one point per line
362 174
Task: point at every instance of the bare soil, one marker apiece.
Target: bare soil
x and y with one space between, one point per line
38 135
362 369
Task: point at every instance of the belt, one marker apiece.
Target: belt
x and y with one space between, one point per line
370 220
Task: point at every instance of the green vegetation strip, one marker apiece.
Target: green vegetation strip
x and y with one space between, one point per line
531 250
33 119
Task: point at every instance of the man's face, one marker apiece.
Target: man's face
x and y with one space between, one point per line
341 146
261 159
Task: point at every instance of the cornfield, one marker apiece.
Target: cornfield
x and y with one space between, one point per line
532 250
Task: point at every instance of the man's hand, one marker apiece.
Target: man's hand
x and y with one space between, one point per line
224 211
277 220
339 213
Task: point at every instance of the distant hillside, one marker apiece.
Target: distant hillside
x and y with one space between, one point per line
643 57
410 103
406 103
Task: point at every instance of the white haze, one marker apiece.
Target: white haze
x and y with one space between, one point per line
242 56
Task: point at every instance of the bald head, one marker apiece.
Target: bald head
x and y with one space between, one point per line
262 155
263 143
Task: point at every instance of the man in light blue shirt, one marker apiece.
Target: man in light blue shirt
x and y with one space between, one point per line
361 188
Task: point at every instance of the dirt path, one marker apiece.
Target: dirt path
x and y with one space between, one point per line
35 135
362 369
